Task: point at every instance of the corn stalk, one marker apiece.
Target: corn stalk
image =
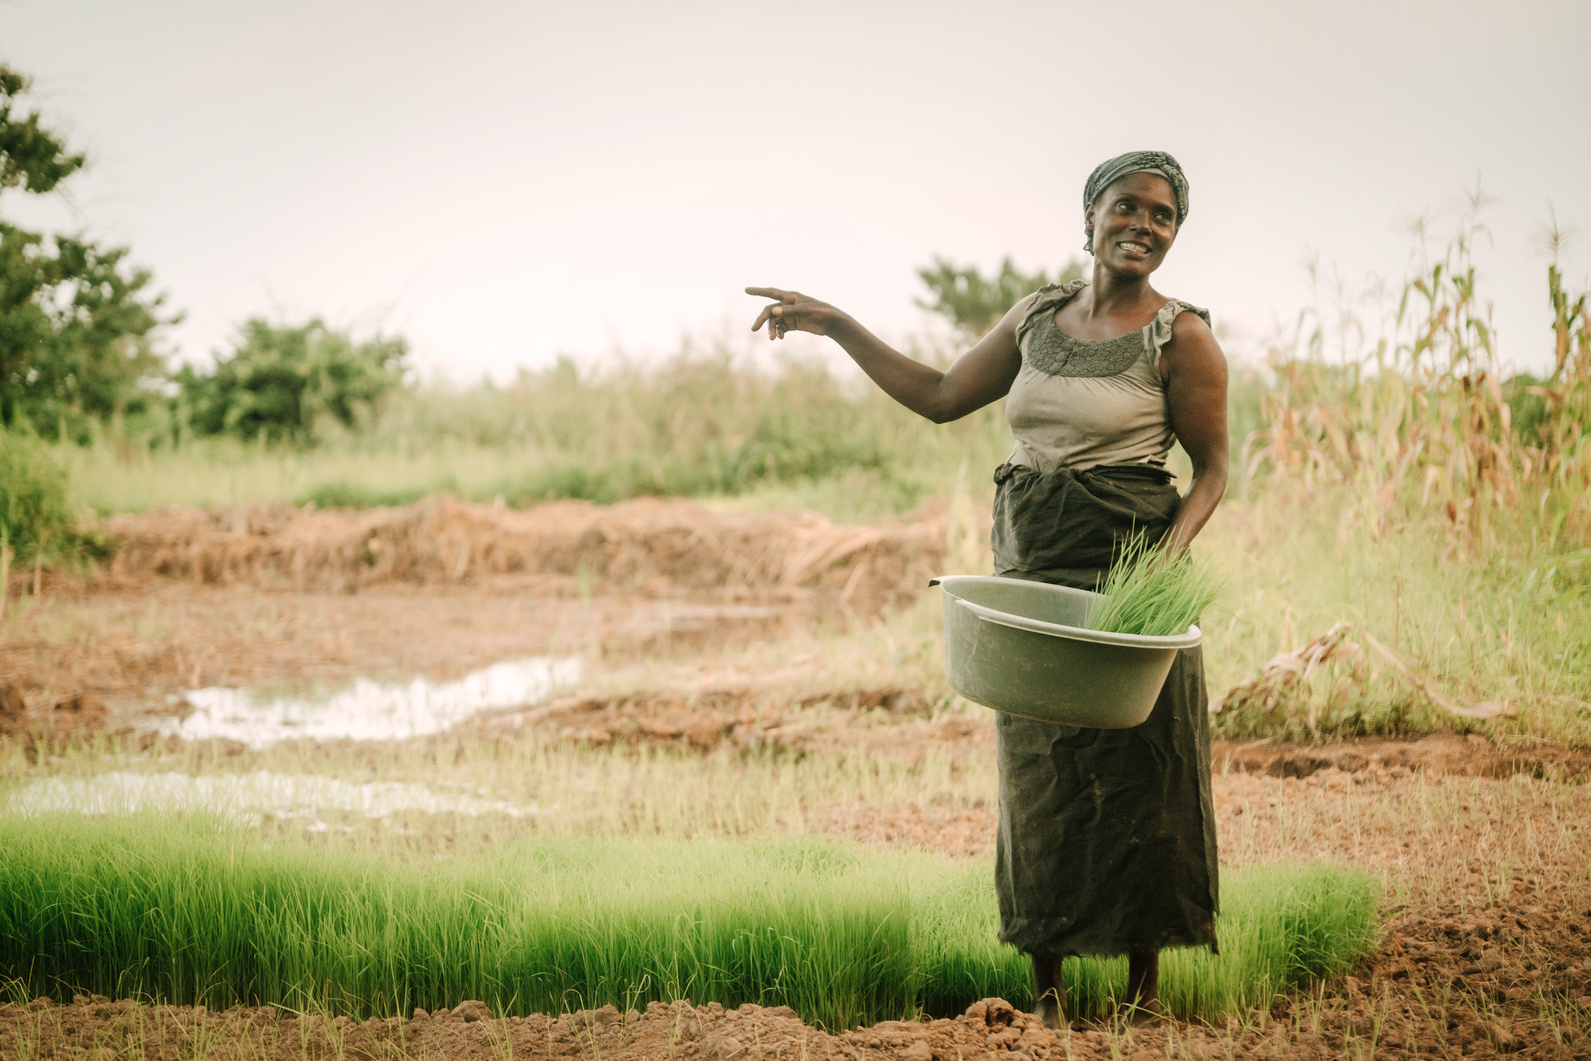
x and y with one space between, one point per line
1419 424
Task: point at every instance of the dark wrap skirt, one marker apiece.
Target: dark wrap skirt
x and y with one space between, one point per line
1107 837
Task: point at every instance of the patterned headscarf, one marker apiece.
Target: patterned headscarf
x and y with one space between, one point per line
1157 162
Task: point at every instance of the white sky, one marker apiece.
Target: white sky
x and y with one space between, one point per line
504 181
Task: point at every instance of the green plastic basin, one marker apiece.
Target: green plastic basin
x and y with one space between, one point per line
1025 648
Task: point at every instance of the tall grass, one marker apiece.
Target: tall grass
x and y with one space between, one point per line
1506 624
192 911
707 422
1404 482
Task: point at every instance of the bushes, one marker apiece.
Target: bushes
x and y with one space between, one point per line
35 515
283 383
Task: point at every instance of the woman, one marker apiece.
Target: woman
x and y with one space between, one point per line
1107 837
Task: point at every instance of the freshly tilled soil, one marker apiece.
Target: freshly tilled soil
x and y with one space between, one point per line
989 1030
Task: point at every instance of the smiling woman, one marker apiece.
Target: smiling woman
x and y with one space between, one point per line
1107 837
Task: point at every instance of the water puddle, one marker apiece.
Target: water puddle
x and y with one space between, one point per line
371 710
246 795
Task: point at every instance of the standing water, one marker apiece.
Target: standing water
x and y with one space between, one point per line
370 710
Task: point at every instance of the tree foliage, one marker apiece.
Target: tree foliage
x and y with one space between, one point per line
284 383
75 318
974 303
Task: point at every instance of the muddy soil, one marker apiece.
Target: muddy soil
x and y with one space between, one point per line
1359 1026
1439 753
470 1031
136 653
904 720
93 659
273 596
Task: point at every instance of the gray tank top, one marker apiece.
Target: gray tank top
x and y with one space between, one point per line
1079 404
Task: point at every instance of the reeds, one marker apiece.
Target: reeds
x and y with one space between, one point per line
191 911
1151 593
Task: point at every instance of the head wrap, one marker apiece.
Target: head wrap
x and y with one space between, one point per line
1157 162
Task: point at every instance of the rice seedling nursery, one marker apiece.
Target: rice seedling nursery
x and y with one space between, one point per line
607 713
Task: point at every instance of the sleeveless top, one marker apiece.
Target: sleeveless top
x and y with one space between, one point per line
1081 404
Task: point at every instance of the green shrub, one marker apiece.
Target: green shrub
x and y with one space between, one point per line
35 514
282 383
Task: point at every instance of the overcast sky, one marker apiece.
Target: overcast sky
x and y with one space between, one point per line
503 181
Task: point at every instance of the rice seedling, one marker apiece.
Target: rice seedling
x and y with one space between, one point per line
192 910
1147 592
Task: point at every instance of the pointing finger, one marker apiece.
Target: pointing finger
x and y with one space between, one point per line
769 292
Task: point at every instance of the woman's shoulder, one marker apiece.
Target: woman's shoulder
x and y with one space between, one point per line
1057 293
1178 321
1175 318
1046 299
1174 309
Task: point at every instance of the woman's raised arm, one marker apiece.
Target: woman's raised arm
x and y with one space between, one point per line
978 377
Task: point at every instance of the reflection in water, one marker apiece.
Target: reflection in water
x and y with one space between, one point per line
263 792
372 710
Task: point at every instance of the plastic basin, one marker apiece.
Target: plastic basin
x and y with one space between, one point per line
1025 648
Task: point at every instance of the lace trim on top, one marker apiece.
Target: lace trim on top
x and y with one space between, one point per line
1055 353
1052 351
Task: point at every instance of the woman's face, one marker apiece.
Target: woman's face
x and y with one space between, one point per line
1134 223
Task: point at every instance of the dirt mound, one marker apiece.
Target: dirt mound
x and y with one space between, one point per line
647 546
741 718
1437 753
904 721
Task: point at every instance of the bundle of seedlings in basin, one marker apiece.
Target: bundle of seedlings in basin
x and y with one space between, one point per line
1150 592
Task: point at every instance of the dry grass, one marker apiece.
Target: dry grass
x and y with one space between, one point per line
648 546
1444 634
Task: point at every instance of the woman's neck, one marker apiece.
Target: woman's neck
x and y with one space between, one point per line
1113 293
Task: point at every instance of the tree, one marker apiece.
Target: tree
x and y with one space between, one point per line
75 318
282 383
975 303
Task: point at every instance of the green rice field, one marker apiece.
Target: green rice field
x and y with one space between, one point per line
196 911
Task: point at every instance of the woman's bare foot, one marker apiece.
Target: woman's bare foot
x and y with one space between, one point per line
1049 1010
1143 989
1050 991
1140 1013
